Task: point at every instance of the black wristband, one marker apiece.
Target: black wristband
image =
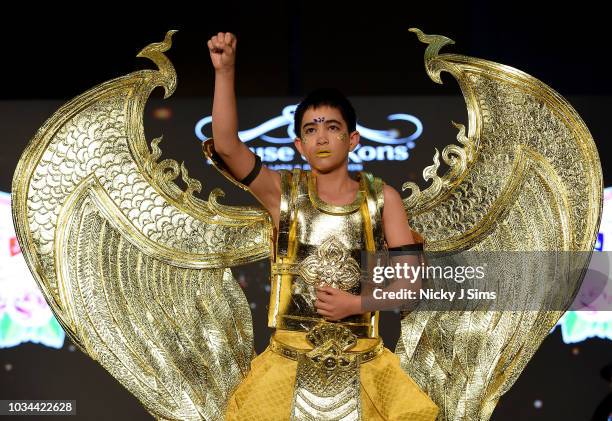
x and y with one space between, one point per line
254 172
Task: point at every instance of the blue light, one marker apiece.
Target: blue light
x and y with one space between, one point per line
389 137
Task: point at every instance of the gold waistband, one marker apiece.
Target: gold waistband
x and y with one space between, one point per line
292 352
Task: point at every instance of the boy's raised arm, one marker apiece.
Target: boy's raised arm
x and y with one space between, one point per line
236 155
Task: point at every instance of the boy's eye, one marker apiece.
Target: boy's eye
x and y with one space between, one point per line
334 127
309 130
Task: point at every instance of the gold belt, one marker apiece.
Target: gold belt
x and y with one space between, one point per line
293 353
327 379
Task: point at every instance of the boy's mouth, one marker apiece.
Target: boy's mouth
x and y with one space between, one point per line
323 153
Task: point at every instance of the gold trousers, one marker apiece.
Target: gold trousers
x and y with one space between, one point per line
387 392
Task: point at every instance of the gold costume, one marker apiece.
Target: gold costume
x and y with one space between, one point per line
317 243
138 269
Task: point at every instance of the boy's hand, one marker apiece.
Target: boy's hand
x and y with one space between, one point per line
335 304
222 48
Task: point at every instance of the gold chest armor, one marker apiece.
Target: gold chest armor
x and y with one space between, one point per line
321 242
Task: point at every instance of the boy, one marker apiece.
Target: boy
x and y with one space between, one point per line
325 359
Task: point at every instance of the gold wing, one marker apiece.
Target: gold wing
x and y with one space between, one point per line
527 177
135 269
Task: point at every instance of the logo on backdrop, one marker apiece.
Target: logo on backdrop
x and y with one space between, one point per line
390 145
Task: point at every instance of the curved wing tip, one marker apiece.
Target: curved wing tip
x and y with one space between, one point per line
167 42
160 47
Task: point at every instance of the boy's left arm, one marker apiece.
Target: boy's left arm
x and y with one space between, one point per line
395 220
336 304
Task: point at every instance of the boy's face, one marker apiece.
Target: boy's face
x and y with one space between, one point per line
324 138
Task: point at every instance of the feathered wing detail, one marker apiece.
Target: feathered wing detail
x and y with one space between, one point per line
526 177
135 269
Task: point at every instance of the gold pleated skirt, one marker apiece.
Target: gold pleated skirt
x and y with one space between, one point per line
387 392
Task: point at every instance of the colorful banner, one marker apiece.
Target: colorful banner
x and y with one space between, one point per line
24 313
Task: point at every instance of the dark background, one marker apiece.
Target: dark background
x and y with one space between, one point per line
286 49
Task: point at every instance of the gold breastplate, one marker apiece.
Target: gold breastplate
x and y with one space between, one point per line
322 243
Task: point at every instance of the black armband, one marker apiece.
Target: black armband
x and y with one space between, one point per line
254 172
417 248
408 247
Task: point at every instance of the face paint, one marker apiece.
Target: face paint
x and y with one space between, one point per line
316 120
342 137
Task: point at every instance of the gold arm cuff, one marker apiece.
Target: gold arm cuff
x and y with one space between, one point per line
208 147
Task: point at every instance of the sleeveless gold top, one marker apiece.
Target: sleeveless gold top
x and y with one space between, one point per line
319 242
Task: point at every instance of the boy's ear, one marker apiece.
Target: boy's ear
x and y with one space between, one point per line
354 139
298 144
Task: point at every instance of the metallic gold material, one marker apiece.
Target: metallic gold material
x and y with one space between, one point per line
327 380
322 245
135 269
526 177
331 265
293 352
322 242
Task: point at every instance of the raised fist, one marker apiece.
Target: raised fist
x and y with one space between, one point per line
222 48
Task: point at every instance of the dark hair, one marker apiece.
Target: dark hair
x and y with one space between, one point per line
325 96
